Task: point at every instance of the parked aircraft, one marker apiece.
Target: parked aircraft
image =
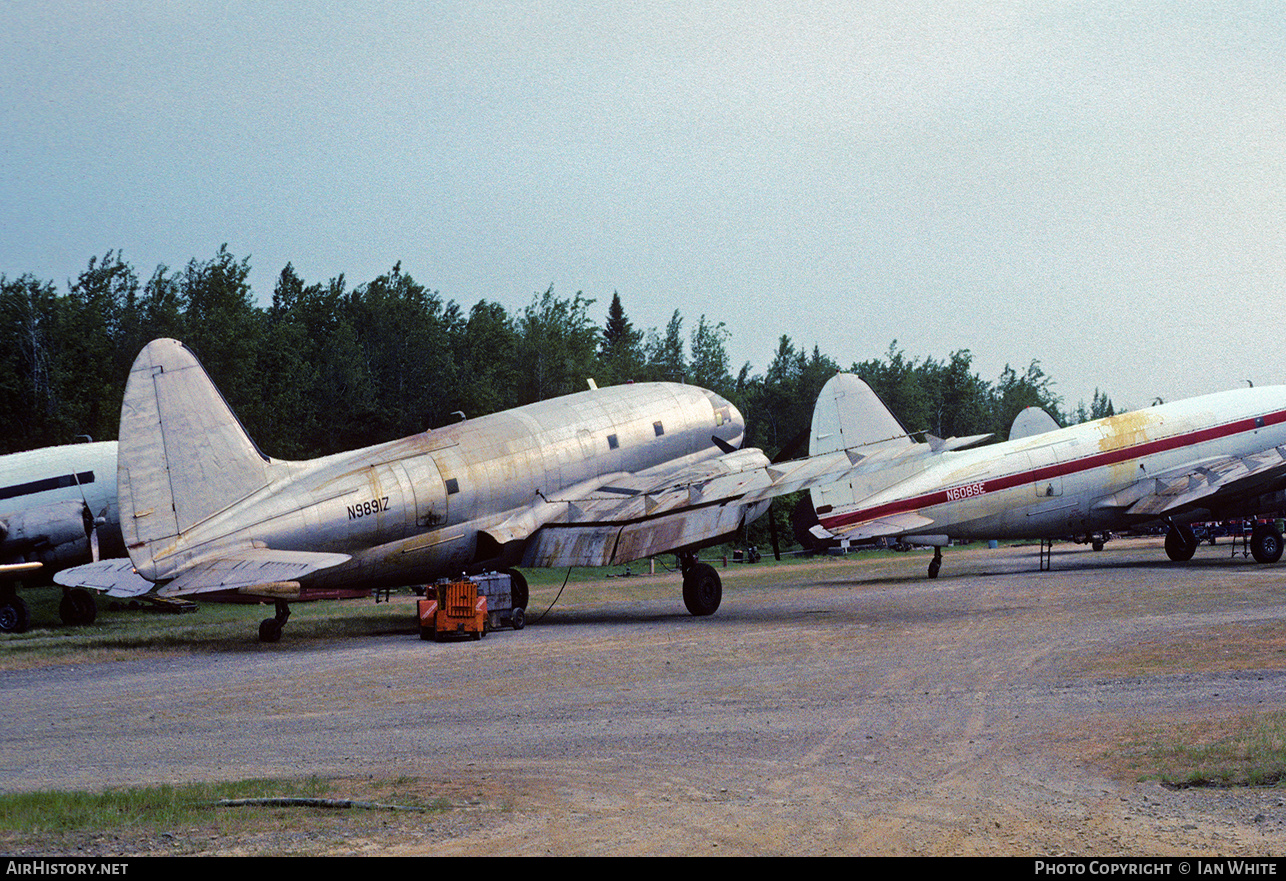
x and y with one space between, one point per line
1211 457
57 509
597 478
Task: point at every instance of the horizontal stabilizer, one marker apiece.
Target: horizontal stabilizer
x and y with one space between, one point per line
116 578
894 524
233 570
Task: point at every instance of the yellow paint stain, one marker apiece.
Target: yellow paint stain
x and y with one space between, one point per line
1125 430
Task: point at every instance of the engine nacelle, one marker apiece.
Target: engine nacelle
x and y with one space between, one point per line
56 535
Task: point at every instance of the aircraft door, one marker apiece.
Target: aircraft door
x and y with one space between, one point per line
1047 483
428 490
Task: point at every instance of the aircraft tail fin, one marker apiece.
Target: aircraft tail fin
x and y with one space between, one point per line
183 455
850 415
1031 422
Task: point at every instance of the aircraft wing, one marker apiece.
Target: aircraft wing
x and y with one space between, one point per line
239 569
631 516
625 517
1214 483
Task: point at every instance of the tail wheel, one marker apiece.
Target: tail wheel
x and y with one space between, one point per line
702 589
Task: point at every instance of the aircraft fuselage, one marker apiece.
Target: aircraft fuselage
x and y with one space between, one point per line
414 509
1075 480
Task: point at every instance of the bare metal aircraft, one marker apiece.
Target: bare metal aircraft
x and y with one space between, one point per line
601 477
57 509
1213 457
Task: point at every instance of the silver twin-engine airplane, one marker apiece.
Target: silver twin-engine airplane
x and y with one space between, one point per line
1213 457
57 509
601 477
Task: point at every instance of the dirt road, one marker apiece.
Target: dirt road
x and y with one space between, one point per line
829 707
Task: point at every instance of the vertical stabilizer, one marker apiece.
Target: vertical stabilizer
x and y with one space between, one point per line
848 414
183 454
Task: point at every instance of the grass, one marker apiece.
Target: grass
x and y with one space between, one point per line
1247 750
151 808
189 818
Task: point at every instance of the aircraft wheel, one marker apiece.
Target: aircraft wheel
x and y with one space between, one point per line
15 616
934 566
702 589
1098 544
1266 544
77 607
1180 544
269 630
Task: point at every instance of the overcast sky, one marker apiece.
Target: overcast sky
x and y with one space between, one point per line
1097 185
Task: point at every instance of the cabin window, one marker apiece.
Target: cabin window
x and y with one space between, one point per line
658 428
453 486
612 442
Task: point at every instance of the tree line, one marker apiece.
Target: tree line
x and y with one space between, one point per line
329 366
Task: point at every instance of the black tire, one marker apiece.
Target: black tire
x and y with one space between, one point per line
15 615
517 619
934 566
1180 544
77 607
269 630
1266 544
702 589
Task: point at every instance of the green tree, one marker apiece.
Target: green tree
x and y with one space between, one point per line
665 361
557 345
223 326
709 365
620 353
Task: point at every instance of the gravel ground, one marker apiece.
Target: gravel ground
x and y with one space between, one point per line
829 707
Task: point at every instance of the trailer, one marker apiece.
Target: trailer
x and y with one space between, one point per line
472 605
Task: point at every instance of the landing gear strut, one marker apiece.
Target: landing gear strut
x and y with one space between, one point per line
270 628
702 587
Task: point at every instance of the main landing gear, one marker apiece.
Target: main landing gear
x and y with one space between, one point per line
702 587
270 628
936 563
15 615
1266 543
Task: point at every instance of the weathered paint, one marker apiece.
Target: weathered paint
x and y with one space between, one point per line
410 510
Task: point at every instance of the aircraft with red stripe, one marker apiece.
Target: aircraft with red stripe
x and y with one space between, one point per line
1213 457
